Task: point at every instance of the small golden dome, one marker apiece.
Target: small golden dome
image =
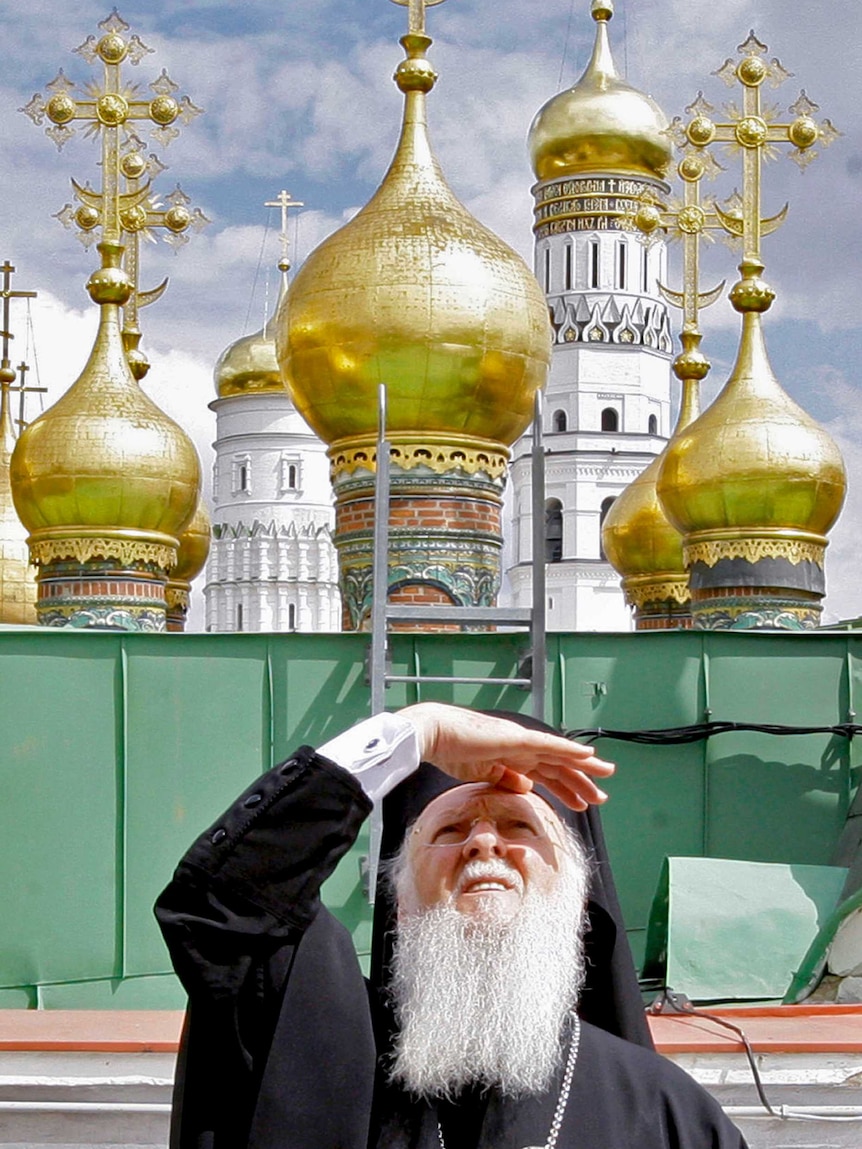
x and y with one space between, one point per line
249 366
105 457
754 459
601 124
415 293
17 578
636 536
194 546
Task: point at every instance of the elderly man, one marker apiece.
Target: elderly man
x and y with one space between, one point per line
474 1040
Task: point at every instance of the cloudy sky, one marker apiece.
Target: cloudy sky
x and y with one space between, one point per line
298 94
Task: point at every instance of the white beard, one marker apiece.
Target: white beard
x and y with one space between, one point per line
483 1000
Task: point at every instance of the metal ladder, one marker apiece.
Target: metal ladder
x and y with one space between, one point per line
531 674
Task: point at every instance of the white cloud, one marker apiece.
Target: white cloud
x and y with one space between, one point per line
300 96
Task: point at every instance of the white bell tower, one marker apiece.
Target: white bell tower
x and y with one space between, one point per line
597 149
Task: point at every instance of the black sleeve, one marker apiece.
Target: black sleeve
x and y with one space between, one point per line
233 916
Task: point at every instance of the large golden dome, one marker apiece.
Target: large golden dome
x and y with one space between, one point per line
105 460
601 124
17 578
417 294
754 459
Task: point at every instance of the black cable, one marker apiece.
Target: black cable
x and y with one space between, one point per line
680 735
670 1002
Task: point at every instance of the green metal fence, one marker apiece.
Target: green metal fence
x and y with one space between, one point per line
118 749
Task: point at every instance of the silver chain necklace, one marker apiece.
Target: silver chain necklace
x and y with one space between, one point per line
562 1100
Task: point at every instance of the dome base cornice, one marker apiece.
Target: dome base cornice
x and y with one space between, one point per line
148 548
441 453
710 547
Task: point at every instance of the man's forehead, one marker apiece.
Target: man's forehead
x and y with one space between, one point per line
474 798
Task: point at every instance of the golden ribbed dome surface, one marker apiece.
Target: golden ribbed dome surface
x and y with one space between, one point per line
601 124
104 456
415 293
754 459
249 366
194 543
17 578
636 535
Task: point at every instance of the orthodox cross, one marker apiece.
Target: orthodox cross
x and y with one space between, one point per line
23 390
416 13
284 201
141 211
691 221
109 107
8 294
755 130
7 373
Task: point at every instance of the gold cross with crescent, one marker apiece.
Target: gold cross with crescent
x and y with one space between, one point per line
111 108
754 130
416 12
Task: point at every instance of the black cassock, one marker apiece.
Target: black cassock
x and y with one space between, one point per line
284 1038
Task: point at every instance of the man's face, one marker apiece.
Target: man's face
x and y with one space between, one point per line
483 848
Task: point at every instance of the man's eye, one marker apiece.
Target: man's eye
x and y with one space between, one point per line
518 830
447 835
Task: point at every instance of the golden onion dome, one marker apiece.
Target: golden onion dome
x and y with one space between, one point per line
754 459
414 292
105 458
250 366
601 124
637 538
194 543
17 578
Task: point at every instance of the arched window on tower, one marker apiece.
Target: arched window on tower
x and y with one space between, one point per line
239 616
645 270
652 425
241 474
603 514
621 264
594 263
547 269
569 264
291 616
610 419
560 421
553 531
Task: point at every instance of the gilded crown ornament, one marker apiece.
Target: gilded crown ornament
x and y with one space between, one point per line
104 480
754 484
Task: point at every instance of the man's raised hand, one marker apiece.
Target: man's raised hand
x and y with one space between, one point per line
475 747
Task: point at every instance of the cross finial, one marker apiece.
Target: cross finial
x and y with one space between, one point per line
756 132
285 202
416 12
6 293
